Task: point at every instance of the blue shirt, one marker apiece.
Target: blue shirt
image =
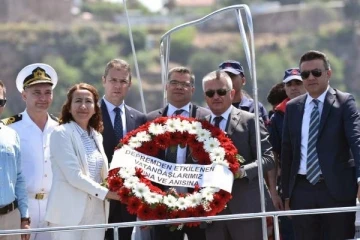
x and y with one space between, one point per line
12 182
247 104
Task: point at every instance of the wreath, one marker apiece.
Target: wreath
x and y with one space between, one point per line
207 143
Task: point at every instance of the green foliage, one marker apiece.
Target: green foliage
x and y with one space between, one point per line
337 67
104 10
202 63
351 10
144 58
67 75
270 69
95 60
139 38
181 45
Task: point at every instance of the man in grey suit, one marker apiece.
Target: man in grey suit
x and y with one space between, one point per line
118 119
321 130
240 127
179 89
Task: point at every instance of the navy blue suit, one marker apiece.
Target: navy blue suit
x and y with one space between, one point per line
118 211
338 136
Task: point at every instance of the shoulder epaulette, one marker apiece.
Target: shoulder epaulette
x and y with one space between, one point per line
54 118
13 119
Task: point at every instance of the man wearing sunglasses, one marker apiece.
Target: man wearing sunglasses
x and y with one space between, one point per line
320 153
179 89
34 125
240 127
241 99
14 212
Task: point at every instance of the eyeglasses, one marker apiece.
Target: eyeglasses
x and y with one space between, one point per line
2 102
220 92
315 72
175 83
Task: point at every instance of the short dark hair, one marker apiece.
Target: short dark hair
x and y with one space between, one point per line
276 94
313 55
117 64
182 70
3 87
96 120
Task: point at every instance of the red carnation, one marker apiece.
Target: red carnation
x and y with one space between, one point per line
174 214
124 194
139 172
149 149
162 140
113 172
115 183
144 212
133 205
160 211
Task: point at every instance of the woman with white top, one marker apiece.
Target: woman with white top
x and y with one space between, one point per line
79 167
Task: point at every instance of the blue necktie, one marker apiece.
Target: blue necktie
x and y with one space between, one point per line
312 164
217 121
118 127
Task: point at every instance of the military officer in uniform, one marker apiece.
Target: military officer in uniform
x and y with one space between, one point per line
34 126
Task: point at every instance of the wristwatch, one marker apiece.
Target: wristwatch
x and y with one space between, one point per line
26 220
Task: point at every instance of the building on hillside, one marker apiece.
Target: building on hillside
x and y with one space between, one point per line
36 10
194 4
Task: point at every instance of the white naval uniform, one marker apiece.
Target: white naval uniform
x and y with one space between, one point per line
36 167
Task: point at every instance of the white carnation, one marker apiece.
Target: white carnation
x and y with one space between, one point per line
170 201
194 127
143 136
140 190
217 154
202 135
156 129
211 144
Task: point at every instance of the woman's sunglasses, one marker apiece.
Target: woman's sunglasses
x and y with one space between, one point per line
315 72
220 92
2 102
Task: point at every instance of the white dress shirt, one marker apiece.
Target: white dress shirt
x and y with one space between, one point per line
35 153
110 108
181 152
225 116
309 105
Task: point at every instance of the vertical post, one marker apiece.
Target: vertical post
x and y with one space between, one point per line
276 227
116 233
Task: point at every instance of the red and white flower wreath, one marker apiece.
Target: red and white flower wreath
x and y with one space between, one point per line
207 143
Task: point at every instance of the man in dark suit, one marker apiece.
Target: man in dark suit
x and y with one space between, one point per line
118 119
240 127
179 89
321 129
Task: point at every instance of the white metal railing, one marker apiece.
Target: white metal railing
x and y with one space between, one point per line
115 226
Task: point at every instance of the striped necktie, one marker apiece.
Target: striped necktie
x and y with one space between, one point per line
312 164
